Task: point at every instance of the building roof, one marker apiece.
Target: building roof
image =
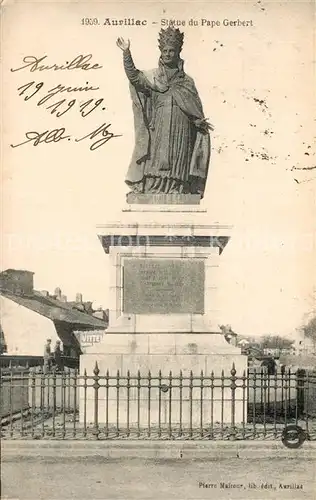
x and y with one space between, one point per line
55 310
14 271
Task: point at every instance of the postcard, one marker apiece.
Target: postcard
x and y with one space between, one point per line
158 245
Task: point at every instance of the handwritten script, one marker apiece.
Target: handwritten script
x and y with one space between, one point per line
56 101
33 63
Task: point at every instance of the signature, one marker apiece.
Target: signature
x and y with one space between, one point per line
102 133
46 137
33 63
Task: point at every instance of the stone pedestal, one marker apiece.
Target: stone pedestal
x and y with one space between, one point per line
164 266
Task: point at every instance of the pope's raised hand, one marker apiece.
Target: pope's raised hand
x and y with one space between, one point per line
122 44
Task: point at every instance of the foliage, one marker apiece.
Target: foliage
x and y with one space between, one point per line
309 329
275 342
270 342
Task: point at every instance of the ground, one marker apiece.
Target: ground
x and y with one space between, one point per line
99 478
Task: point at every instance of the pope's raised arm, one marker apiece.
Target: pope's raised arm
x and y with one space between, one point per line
133 74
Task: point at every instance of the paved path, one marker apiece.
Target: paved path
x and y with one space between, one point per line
99 478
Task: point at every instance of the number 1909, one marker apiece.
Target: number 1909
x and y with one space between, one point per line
90 21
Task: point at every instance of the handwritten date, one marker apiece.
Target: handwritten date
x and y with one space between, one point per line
30 89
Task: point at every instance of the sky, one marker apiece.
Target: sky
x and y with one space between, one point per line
257 86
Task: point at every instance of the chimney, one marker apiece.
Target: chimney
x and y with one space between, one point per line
99 314
58 293
107 314
17 281
88 307
44 293
63 298
79 298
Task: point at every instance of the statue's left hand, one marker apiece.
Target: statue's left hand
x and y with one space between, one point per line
203 125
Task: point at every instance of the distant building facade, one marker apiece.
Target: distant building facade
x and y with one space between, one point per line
305 346
89 338
29 317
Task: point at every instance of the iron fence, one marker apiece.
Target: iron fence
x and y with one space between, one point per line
69 405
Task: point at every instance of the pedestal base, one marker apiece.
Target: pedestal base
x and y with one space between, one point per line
161 362
165 377
163 199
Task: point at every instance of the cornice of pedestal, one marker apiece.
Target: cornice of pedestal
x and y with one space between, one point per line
163 234
136 227
164 217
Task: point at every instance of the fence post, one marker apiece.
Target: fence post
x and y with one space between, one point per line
262 372
300 377
282 389
254 383
54 400
212 404
63 391
149 405
75 385
170 405
1 399
33 400
264 381
180 401
159 403
286 386
128 387
222 401
118 403
45 411
245 383
96 386
85 386
138 402
306 391
191 404
289 395
107 386
201 403
233 396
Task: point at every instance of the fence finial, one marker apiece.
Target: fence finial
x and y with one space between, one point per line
96 370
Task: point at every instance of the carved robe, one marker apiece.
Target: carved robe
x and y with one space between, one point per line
171 154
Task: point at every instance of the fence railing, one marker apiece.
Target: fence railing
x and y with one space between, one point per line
27 361
66 404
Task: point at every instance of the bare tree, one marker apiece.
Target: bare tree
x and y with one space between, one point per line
309 329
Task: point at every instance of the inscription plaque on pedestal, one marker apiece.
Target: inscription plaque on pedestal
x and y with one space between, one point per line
163 286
